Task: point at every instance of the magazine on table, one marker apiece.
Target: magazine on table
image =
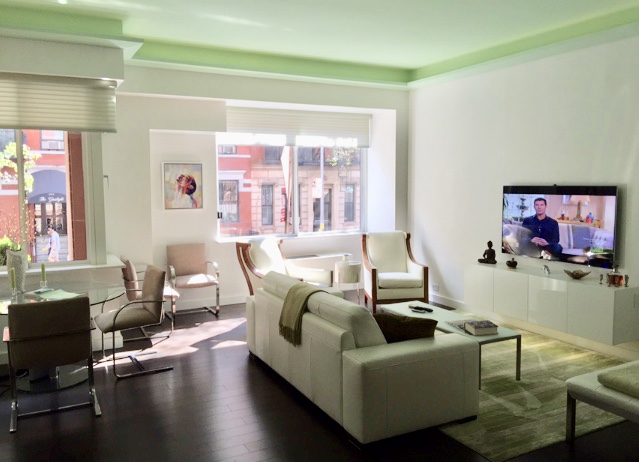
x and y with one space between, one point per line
475 326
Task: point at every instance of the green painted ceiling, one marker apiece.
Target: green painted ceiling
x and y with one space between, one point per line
373 41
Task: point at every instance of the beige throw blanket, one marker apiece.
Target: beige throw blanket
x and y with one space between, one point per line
292 311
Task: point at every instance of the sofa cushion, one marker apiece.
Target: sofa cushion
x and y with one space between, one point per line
397 328
624 379
349 316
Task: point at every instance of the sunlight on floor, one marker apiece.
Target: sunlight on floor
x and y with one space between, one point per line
185 341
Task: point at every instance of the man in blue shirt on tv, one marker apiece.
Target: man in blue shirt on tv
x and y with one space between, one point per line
544 231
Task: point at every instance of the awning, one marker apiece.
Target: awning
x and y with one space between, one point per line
48 186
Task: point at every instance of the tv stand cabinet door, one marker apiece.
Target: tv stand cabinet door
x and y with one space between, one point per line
547 300
511 294
604 314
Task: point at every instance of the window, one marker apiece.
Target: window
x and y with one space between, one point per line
52 140
272 154
229 201
53 194
327 196
267 204
225 149
349 202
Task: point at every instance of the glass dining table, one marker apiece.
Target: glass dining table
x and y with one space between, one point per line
45 380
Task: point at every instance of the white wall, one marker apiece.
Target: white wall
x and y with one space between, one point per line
572 118
171 115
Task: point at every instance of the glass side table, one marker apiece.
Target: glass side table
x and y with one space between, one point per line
348 272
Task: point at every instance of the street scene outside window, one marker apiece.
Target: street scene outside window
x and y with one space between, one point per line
257 195
52 224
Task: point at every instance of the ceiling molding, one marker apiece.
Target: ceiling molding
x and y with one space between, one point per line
269 64
54 23
597 30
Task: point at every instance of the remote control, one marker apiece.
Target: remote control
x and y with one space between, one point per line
420 308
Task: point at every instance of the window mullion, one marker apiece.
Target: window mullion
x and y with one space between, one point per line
296 198
21 188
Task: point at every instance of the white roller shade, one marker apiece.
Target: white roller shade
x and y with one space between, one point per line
313 126
57 103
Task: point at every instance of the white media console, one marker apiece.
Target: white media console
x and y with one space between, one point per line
583 308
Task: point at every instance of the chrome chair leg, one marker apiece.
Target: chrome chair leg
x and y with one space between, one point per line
138 364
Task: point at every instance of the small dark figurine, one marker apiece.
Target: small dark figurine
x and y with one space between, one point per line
511 263
489 255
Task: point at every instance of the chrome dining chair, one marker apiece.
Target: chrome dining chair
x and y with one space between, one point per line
46 335
147 310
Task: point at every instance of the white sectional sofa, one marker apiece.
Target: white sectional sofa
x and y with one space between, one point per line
373 389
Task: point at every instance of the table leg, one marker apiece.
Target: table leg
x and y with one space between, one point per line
518 361
480 366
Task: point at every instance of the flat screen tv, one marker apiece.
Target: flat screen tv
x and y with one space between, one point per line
572 224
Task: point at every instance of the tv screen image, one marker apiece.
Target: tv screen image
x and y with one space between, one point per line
572 224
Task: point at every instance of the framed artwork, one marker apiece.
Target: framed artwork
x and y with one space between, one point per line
182 185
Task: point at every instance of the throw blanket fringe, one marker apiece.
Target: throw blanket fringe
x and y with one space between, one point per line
292 311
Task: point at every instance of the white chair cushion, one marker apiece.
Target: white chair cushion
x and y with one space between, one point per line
398 280
387 251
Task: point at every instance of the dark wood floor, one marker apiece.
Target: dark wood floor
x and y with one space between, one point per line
219 404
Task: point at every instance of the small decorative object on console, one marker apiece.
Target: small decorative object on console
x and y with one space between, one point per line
577 274
483 327
627 277
615 278
512 263
489 255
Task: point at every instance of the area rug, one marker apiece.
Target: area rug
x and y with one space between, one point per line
516 417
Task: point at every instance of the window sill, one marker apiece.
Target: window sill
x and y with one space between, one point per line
112 262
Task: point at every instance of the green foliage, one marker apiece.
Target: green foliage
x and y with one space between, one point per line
9 159
343 158
5 244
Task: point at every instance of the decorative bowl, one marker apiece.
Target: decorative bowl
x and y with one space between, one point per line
511 263
577 274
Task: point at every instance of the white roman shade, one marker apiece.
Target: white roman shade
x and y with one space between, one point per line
302 128
57 103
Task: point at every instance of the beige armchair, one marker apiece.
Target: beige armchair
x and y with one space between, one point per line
193 277
260 255
391 273
46 335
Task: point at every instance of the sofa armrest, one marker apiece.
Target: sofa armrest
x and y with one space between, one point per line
406 386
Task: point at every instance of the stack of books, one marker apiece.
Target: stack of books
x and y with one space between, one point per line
475 327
